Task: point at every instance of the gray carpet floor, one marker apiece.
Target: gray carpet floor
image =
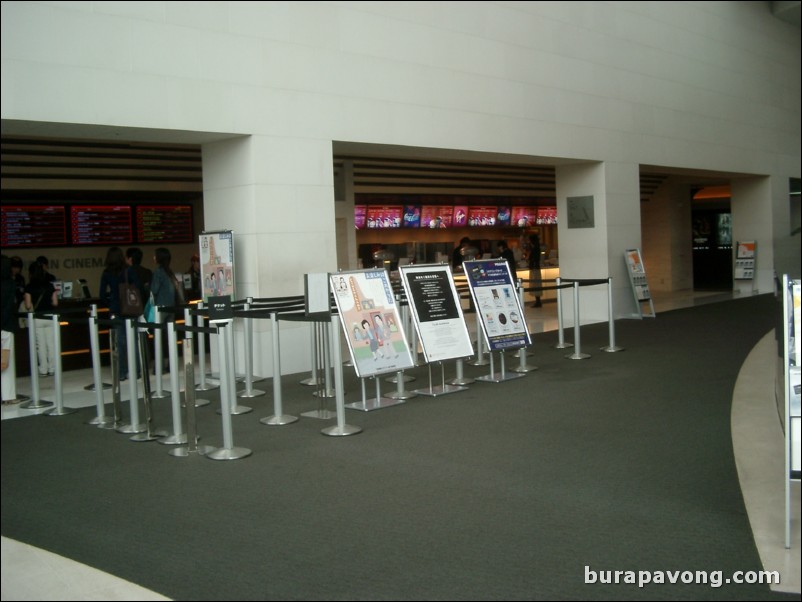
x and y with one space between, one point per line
509 491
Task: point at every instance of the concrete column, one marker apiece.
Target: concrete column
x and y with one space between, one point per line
593 240
751 207
277 195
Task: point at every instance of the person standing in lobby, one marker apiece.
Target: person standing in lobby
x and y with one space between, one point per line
40 296
534 267
115 273
9 324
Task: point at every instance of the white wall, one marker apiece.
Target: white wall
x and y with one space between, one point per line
703 85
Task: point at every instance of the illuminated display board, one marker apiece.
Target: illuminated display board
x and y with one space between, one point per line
33 226
101 225
164 224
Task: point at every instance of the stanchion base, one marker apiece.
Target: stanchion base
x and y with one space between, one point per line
32 405
174 439
394 379
524 369
479 362
23 398
440 390
163 395
253 393
374 404
563 345
61 412
207 387
199 403
498 377
278 420
321 414
235 453
311 382
344 431
577 356
462 381
257 379
105 422
612 349
327 393
130 429
144 438
91 387
184 452
401 394
237 409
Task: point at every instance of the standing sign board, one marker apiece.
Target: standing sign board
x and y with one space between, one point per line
370 320
493 291
217 264
637 278
437 312
792 313
745 266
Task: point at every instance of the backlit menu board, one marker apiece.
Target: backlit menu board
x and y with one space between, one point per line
360 217
33 226
482 216
436 216
384 216
547 215
523 217
164 223
101 225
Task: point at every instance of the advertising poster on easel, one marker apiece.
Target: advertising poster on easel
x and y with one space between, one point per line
493 291
370 320
217 264
435 307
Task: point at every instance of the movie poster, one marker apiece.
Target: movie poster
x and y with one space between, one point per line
370 320
217 264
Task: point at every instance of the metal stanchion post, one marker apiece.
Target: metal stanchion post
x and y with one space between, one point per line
461 379
522 366
236 409
228 451
91 386
247 324
561 344
314 381
142 346
133 397
480 344
324 354
116 404
341 429
35 403
158 359
192 446
611 347
279 418
577 354
101 420
203 386
60 409
178 437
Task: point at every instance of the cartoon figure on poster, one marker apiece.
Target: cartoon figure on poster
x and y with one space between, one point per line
217 264
368 313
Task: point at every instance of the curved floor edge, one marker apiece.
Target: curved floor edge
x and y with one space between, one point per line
757 440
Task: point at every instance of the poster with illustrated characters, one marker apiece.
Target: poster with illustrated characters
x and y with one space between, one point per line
217 264
493 291
370 319
436 309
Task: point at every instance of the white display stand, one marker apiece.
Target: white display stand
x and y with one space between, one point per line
640 286
372 326
793 416
745 266
438 319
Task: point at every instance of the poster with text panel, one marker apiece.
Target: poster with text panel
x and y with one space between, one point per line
370 320
436 310
217 264
493 291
